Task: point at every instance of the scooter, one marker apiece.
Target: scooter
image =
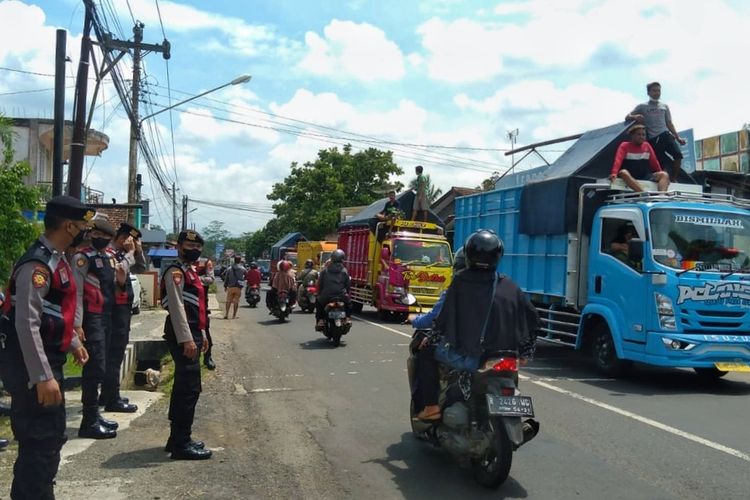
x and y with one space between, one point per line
483 413
283 306
252 295
336 324
306 297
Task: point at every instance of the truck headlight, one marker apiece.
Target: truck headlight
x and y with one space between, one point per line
396 289
665 310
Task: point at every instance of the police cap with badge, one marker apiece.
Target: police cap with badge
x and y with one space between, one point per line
130 230
67 207
104 226
189 235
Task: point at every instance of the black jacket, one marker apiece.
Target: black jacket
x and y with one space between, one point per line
333 282
513 320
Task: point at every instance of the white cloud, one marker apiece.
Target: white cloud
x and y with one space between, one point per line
356 50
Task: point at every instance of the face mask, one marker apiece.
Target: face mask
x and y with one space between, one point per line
78 239
191 255
100 243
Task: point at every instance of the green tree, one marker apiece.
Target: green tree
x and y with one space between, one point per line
212 234
489 183
433 193
261 240
309 199
15 196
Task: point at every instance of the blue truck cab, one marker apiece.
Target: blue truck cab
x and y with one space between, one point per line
658 278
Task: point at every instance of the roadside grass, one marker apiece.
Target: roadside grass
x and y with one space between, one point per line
71 369
167 373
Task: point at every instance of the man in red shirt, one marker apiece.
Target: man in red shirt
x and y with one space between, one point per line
636 160
253 276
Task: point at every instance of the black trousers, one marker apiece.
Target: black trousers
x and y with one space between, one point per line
427 387
39 430
272 296
98 329
186 388
320 307
115 352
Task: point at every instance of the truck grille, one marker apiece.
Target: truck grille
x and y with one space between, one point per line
704 320
424 290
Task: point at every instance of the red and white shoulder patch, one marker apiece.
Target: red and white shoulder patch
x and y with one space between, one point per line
40 277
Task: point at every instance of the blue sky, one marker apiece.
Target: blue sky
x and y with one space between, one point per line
431 73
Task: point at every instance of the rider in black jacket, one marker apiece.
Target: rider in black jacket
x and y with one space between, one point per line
333 283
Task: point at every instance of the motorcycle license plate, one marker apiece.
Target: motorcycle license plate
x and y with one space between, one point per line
732 367
337 314
510 406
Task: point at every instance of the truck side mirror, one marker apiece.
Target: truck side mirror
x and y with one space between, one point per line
635 250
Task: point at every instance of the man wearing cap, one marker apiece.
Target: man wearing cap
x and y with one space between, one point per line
36 332
182 295
128 253
96 277
635 160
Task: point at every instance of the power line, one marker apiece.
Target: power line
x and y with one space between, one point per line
158 11
31 91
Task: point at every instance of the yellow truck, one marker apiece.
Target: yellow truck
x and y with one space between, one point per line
318 251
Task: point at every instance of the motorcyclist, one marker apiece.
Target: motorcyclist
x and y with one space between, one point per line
333 284
253 277
512 321
283 281
308 273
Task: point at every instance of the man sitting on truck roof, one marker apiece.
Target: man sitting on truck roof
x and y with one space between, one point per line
636 160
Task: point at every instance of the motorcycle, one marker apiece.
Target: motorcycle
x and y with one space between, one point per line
336 324
482 412
252 295
306 297
283 306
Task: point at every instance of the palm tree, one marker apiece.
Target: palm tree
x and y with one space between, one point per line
433 193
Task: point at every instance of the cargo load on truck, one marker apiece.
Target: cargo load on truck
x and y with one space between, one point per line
387 259
657 277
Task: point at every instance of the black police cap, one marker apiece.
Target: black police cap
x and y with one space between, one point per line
67 207
104 226
190 235
130 230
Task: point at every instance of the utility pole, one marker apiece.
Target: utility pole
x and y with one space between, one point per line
184 211
78 143
513 136
174 209
59 127
133 156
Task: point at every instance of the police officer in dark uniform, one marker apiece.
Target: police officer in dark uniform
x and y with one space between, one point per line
36 331
206 272
182 294
128 253
96 278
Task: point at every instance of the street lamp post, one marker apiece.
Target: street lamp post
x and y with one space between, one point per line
133 163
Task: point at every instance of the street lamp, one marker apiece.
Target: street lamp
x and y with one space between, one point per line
236 81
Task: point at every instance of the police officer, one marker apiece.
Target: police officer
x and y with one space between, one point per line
128 253
36 330
182 295
95 276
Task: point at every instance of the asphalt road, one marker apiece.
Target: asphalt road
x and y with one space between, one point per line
657 434
289 416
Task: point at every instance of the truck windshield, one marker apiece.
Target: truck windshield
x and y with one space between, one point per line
701 240
423 253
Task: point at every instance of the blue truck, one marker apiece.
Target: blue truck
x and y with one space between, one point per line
657 278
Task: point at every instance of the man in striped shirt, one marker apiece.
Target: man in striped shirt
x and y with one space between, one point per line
636 160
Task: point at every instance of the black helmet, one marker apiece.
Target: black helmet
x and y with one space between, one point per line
459 260
309 264
337 255
483 250
253 265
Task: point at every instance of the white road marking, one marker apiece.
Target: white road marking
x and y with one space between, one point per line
352 373
271 389
639 418
383 327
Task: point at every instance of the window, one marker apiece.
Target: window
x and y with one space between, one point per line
616 233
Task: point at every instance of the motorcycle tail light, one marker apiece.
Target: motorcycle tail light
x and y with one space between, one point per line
505 365
508 391
312 289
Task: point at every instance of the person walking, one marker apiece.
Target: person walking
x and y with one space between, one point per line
36 332
185 333
96 277
234 281
129 256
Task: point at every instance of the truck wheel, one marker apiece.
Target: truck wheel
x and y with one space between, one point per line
711 374
605 354
357 307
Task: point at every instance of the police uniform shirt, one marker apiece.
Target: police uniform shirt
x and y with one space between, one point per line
32 282
174 282
81 263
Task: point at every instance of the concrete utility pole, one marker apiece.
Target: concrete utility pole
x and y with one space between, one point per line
184 212
59 127
78 142
133 156
174 209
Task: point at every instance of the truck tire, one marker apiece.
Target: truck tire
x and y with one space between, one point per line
711 374
604 353
357 307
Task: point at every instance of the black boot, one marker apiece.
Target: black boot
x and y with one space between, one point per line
91 427
109 424
120 406
188 451
209 361
196 444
